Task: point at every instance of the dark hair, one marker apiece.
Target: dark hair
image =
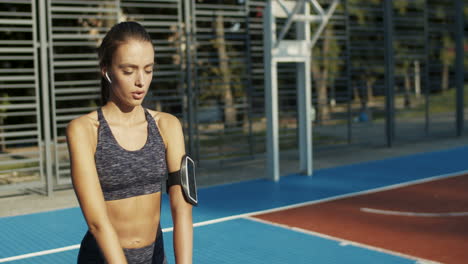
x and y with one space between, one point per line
117 35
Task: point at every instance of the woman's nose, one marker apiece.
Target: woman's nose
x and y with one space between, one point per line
140 79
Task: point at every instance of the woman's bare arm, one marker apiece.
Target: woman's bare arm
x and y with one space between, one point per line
181 210
81 146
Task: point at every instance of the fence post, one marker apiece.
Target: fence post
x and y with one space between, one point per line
45 95
349 91
459 67
188 80
389 72
427 86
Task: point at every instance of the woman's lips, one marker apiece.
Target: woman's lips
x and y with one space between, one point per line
138 95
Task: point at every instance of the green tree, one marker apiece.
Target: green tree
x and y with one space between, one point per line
325 70
225 73
365 72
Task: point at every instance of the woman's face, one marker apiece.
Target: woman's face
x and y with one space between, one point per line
131 72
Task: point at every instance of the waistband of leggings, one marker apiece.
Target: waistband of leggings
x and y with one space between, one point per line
140 248
139 255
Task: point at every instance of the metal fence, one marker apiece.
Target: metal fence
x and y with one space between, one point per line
209 57
20 122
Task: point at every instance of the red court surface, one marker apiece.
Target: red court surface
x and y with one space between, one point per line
426 220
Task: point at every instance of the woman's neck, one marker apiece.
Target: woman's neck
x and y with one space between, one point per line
124 115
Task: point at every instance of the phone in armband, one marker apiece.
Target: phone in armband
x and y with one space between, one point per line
185 177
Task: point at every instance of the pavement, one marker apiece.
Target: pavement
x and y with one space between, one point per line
323 158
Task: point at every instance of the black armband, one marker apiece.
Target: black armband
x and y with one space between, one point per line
185 177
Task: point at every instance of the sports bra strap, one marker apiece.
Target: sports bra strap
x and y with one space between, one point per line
148 115
100 115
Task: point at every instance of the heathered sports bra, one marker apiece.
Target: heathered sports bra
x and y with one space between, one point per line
127 173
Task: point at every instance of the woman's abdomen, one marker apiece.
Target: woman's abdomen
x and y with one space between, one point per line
135 219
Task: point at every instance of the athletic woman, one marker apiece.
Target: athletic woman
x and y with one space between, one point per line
121 153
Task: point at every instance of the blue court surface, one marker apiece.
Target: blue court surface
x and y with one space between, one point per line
224 232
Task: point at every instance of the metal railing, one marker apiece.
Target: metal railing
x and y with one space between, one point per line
20 116
209 73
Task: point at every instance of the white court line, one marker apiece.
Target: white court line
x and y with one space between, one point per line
343 242
50 251
400 213
333 198
233 217
40 253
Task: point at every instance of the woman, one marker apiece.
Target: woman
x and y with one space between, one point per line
121 153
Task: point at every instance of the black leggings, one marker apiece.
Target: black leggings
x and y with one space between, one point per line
152 254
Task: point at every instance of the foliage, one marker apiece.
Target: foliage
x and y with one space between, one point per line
213 76
439 103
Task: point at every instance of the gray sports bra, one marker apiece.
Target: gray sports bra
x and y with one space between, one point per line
126 173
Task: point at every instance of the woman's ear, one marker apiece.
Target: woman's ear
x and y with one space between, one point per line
105 74
108 78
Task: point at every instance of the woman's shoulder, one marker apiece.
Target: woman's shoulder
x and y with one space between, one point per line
164 120
169 125
86 123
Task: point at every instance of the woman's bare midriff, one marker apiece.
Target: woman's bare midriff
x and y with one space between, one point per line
135 219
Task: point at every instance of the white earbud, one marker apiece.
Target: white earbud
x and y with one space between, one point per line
107 76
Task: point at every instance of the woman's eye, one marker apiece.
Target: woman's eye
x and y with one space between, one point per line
149 72
127 72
